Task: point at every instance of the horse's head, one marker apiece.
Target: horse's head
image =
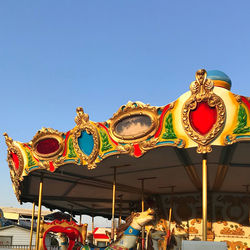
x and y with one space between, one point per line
142 218
62 238
157 234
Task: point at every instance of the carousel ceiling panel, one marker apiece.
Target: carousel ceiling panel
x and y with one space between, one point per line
157 180
157 158
211 173
241 154
236 179
90 206
212 170
55 187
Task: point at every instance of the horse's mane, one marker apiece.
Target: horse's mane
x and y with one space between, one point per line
120 230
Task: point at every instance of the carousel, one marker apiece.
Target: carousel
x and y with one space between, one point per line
188 161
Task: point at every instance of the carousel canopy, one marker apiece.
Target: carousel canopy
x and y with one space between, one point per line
159 146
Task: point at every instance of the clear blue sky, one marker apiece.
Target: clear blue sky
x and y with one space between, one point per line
99 54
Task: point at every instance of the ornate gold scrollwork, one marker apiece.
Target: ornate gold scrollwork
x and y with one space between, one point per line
147 145
43 134
83 124
125 149
202 91
143 145
15 174
134 114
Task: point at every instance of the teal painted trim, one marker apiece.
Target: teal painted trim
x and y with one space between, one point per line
170 143
180 144
113 151
228 138
33 167
86 142
237 137
159 112
69 160
165 142
242 136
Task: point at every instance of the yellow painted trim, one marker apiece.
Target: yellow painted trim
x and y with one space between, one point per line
222 84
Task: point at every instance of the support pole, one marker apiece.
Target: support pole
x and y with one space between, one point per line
80 219
32 224
142 195
113 207
170 209
142 209
93 225
204 197
120 210
71 214
39 212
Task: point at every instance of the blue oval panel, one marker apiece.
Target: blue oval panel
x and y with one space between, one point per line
86 142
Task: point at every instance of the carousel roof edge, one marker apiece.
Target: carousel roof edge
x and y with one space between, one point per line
209 114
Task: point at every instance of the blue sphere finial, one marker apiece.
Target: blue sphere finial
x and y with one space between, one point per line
219 78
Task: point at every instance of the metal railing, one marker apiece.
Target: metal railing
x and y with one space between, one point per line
24 247
17 247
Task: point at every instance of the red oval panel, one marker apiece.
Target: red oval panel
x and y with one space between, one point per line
15 160
47 146
203 118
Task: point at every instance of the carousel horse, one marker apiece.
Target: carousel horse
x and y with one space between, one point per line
127 234
153 238
66 241
63 241
175 240
162 238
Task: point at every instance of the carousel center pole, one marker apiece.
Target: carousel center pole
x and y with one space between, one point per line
113 207
32 224
39 212
204 197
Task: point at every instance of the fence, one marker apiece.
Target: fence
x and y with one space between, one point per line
17 247
24 247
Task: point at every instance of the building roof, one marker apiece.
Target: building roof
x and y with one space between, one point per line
22 211
100 233
17 226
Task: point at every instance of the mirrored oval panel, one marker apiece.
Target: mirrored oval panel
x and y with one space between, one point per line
133 126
